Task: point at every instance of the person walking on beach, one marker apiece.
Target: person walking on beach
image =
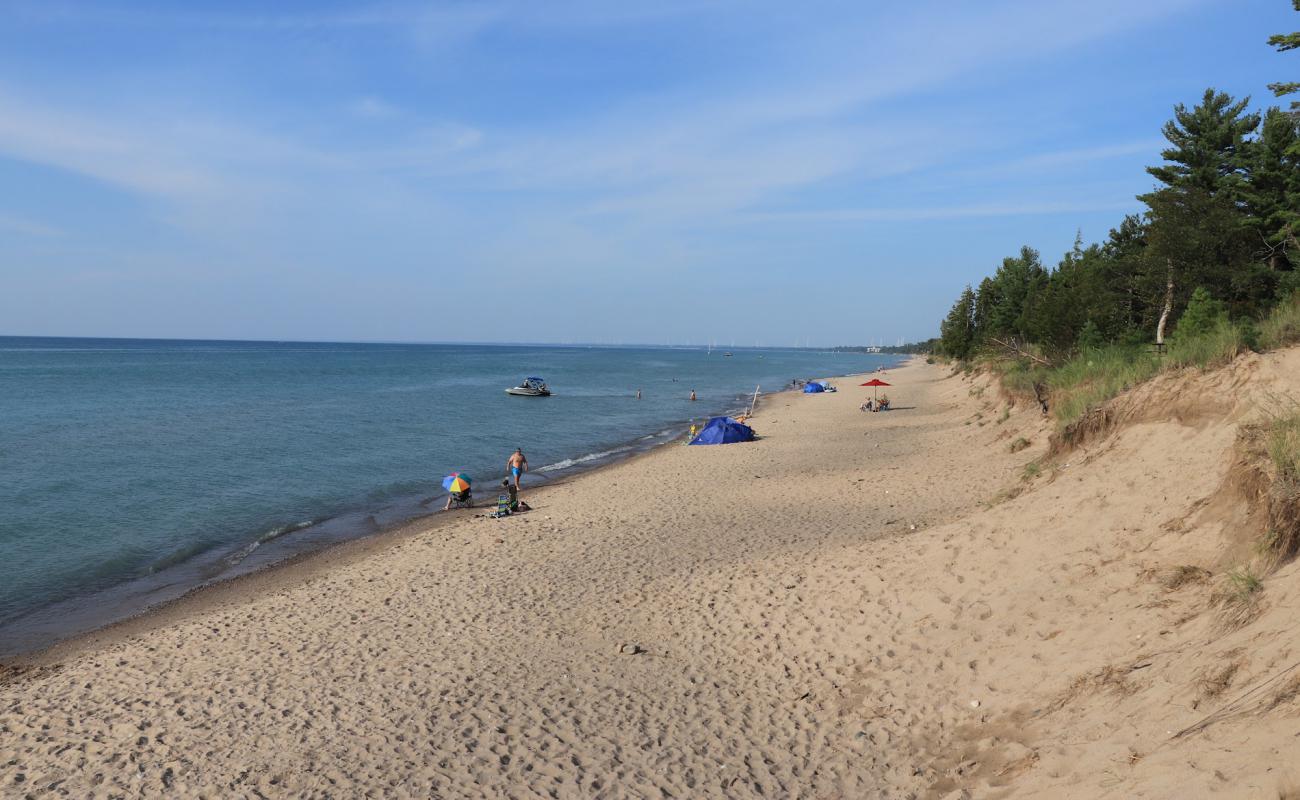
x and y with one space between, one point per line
517 465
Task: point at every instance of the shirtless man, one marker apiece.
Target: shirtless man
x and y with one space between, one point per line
517 465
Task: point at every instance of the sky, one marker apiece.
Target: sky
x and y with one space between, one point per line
738 171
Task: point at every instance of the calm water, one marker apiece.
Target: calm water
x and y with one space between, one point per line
133 470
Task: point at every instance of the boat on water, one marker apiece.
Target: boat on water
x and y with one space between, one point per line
531 387
726 355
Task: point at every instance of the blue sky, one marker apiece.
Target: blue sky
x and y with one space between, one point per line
769 172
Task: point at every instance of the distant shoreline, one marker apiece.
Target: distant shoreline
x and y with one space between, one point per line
449 343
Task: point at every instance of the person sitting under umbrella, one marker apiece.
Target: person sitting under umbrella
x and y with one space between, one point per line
458 491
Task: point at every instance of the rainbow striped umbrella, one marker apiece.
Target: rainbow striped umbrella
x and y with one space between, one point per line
456 482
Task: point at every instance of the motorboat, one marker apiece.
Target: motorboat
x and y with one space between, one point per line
531 387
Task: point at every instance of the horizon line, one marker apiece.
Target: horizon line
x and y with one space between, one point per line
432 342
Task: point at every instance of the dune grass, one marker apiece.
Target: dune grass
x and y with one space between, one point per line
1095 376
1283 445
1281 541
1238 598
1214 348
1282 326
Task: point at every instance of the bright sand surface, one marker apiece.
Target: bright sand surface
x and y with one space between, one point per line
836 610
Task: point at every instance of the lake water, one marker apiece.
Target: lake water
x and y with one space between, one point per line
134 470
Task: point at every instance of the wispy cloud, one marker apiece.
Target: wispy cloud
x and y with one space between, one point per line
372 108
695 149
972 211
550 142
28 227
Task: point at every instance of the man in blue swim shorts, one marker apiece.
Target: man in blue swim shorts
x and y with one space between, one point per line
517 465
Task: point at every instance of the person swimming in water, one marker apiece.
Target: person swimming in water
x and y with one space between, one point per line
517 465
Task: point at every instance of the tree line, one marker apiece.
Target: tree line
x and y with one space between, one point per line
1219 237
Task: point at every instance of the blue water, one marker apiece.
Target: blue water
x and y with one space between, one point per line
134 470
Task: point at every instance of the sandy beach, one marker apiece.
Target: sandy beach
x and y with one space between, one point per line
857 605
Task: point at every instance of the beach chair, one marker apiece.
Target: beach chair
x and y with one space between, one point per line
503 507
465 499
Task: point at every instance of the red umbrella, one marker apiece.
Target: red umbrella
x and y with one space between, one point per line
874 382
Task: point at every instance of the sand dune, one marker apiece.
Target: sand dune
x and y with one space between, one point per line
854 606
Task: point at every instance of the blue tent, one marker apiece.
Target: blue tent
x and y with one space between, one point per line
812 387
723 430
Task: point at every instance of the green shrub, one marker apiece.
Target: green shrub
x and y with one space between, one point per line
1203 314
1090 337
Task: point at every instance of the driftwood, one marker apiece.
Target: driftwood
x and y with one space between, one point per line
1012 346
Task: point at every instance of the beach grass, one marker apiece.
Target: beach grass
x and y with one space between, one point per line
1237 598
1282 326
1283 445
1095 375
1213 348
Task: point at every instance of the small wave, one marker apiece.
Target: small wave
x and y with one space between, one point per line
573 462
275 533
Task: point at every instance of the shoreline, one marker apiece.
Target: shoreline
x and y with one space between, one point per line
301 566
688 614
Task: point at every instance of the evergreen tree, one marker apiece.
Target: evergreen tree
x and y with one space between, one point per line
1015 284
1200 239
1203 314
1058 307
986 299
957 333
1272 196
1121 271
1284 42
1208 145
1090 337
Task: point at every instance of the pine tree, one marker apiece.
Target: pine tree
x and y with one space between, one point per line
1015 284
1272 196
1203 314
1090 337
957 332
1284 42
1208 145
986 299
